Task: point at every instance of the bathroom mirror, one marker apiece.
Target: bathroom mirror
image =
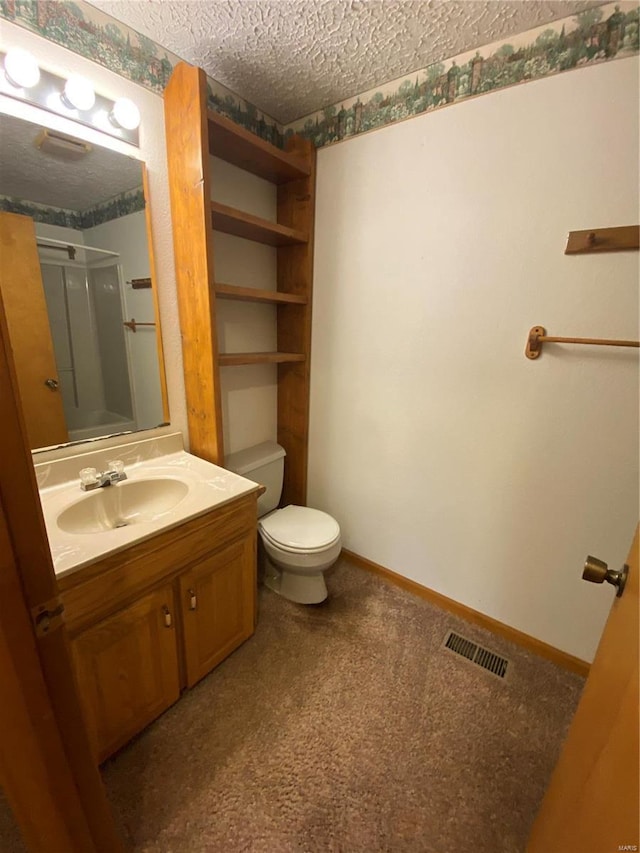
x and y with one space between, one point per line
77 288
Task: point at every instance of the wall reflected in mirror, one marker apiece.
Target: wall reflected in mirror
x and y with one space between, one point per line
76 272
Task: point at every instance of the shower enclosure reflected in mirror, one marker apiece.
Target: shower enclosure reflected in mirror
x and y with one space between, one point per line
76 271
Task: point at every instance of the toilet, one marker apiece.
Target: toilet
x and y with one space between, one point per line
299 542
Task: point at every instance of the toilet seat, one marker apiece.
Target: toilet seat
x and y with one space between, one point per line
299 529
280 547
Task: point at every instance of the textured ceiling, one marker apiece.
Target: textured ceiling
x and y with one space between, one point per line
28 174
293 57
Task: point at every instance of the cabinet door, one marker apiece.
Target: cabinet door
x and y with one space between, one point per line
127 669
218 606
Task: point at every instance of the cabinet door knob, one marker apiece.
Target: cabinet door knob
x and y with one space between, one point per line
193 601
168 621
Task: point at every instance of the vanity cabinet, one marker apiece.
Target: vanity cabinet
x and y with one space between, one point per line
153 619
127 667
216 619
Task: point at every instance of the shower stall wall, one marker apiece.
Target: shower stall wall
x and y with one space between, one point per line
84 304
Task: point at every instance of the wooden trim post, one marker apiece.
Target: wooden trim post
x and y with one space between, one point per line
46 767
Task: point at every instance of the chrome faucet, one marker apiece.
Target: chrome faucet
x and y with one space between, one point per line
91 479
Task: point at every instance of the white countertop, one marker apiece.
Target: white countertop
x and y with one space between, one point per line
209 486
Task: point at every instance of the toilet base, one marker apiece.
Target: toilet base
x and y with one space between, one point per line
308 588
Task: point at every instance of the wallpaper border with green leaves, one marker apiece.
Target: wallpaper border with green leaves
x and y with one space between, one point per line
596 35
130 201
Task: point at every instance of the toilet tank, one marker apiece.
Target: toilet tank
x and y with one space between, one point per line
264 464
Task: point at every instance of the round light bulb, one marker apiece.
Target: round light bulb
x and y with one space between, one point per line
78 94
21 68
125 114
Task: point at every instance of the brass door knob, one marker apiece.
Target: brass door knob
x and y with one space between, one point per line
52 384
597 571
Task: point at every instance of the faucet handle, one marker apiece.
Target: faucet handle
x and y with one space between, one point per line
88 476
115 471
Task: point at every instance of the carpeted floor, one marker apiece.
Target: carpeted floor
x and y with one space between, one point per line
346 727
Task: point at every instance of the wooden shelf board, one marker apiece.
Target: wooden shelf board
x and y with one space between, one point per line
253 294
234 358
238 146
241 224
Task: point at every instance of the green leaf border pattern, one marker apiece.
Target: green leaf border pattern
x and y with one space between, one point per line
130 201
595 35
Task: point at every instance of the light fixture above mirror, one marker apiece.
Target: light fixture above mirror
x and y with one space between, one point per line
21 69
78 94
73 98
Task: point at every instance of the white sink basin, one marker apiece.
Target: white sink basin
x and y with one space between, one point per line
165 487
134 502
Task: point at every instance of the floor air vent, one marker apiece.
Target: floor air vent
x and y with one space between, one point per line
476 654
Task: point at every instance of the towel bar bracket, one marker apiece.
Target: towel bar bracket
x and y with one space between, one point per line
534 344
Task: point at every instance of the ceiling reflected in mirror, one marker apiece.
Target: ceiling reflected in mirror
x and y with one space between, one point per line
46 167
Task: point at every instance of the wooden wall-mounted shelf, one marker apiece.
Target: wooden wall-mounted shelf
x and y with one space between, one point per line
236 145
594 240
241 224
229 359
253 294
193 134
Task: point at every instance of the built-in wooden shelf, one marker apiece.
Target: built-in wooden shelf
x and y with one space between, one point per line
238 146
195 136
241 224
253 294
232 358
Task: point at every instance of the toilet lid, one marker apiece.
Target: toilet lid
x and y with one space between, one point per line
300 528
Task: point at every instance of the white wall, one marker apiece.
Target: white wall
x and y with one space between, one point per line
57 232
444 453
151 151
